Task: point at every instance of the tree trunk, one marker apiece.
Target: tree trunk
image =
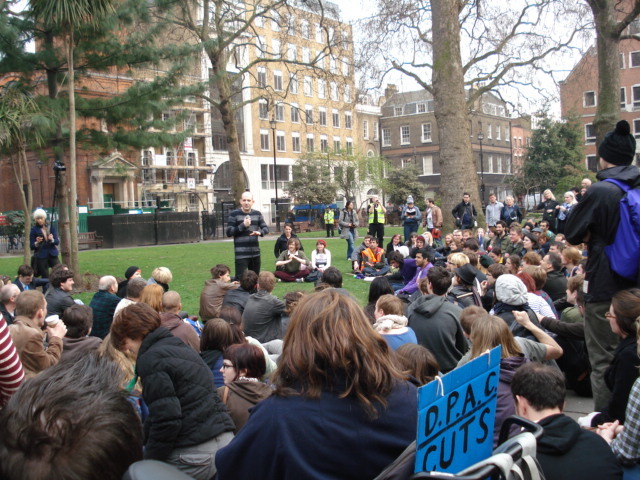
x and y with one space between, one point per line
20 169
73 186
608 109
457 164
222 83
62 200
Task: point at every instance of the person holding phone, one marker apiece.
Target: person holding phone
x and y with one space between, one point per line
245 225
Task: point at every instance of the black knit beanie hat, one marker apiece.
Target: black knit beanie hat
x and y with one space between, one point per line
130 271
618 146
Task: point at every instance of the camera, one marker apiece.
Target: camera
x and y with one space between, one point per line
59 166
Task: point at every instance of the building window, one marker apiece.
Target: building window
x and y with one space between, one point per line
333 64
262 77
277 81
427 165
336 145
589 99
308 86
304 29
321 88
309 114
310 143
590 133
489 131
347 120
375 131
275 22
279 112
264 140
498 132
635 90
318 33
295 114
623 98
634 59
334 91
592 163
306 55
347 94
622 60
260 46
365 130
293 83
324 144
349 146
276 47
422 108
397 111
636 128
386 137
280 143
426 132
191 159
322 117
291 52
147 156
263 109
295 142
405 135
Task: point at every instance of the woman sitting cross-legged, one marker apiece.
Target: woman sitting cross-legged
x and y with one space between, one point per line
292 264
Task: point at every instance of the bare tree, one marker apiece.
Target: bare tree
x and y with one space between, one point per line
229 35
611 18
461 50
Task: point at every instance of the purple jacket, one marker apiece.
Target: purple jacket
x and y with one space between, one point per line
412 286
506 405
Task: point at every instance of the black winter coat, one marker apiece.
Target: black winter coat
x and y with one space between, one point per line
177 386
596 218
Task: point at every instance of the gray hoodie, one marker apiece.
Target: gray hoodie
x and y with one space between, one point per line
436 323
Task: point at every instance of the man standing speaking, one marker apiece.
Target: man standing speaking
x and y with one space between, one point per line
245 225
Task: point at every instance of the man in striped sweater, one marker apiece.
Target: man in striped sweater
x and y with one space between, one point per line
11 372
245 225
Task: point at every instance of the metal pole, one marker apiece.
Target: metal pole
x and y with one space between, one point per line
275 171
480 138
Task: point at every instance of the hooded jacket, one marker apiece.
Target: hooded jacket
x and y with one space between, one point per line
436 324
184 408
567 451
241 396
596 218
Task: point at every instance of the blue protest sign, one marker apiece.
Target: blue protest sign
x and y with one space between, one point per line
456 415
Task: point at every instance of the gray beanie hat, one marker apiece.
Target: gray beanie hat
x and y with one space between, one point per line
410 199
511 290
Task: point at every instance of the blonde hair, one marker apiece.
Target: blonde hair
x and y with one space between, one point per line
162 275
490 332
39 213
550 193
573 197
458 259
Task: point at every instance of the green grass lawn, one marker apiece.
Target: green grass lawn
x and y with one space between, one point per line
190 265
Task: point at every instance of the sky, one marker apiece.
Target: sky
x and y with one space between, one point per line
352 10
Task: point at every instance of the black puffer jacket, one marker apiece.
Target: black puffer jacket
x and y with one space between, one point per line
184 408
595 219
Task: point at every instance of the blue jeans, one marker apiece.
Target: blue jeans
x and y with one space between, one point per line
350 247
409 228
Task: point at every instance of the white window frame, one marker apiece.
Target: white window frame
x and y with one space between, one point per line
281 141
386 137
322 116
322 88
636 55
277 81
308 86
264 134
348 120
365 129
295 136
427 165
405 135
293 83
335 118
426 132
295 113
589 139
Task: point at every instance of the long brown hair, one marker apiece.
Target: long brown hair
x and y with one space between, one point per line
489 332
330 344
152 295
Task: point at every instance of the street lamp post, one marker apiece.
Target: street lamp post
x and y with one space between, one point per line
273 124
480 139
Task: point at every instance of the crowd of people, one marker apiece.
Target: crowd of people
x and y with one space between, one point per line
313 385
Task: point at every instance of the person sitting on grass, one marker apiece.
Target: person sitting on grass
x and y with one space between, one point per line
292 264
391 323
374 262
214 291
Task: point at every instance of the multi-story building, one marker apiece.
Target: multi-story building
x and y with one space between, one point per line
305 102
579 92
409 136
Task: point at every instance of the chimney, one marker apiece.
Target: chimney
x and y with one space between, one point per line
390 90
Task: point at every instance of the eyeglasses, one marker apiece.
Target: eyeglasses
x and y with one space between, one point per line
226 365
